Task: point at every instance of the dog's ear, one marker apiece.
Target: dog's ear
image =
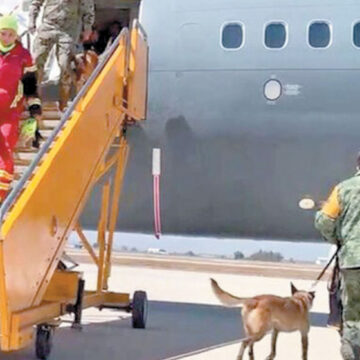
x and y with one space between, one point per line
293 289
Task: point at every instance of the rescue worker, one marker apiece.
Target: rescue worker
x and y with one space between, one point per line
339 223
62 23
17 82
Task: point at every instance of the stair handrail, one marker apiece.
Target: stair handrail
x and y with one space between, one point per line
137 25
10 199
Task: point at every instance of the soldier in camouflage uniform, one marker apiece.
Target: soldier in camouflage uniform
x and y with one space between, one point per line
339 221
62 23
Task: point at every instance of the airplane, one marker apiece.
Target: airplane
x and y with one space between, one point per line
254 107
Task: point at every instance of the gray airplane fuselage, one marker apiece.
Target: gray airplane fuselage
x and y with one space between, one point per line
234 163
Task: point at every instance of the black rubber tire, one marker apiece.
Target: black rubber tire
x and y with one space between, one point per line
43 343
139 310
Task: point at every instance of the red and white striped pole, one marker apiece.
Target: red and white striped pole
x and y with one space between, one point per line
156 170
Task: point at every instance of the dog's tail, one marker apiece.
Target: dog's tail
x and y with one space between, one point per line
225 297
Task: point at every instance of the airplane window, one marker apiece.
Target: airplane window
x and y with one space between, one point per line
319 34
275 35
232 36
356 35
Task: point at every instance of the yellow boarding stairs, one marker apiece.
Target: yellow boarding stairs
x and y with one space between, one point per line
44 207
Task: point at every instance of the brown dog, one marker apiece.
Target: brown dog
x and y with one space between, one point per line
85 64
265 313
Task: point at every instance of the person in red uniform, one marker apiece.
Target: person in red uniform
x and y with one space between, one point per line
18 85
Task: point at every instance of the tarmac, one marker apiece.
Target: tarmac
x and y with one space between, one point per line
185 320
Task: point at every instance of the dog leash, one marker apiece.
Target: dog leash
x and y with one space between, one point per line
325 268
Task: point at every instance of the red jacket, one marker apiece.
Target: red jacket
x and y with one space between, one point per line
18 79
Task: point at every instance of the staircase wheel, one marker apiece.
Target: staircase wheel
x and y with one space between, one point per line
139 310
43 343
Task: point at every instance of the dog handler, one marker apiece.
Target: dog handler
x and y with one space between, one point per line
17 83
62 23
339 218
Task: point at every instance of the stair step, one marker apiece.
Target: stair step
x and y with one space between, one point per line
29 150
25 158
52 104
20 169
46 132
49 124
22 155
22 162
47 115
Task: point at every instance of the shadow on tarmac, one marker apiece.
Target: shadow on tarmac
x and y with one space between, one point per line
173 329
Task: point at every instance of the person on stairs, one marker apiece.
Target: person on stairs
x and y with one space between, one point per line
18 86
61 25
